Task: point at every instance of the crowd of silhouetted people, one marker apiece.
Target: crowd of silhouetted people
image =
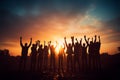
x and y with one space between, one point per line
72 57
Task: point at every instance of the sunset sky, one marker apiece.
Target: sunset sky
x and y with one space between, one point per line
54 19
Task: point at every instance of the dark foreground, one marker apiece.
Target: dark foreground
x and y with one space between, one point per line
102 75
110 71
105 74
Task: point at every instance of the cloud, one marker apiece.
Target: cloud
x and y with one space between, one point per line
111 30
11 25
114 24
51 20
18 16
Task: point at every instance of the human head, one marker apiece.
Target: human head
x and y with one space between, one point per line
83 44
25 44
91 42
76 43
41 45
69 44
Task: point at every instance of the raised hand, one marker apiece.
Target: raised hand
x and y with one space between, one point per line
38 41
92 38
20 37
72 37
95 36
80 40
98 36
76 39
88 39
85 36
65 38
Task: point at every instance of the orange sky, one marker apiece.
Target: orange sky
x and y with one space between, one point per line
56 27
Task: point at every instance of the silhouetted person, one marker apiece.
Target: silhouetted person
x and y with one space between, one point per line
69 55
45 55
24 54
40 57
60 59
52 57
97 54
77 55
94 54
91 53
33 56
84 56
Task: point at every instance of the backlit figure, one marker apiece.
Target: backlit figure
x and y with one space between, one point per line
24 54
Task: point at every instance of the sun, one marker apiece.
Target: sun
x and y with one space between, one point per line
58 47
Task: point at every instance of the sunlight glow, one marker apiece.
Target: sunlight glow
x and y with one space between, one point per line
61 27
58 47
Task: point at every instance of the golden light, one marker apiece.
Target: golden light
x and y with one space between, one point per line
58 45
83 26
58 49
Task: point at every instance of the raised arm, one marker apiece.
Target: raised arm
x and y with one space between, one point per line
81 41
72 38
56 44
86 40
30 42
76 40
44 43
38 42
65 41
92 39
95 39
99 39
21 42
49 44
